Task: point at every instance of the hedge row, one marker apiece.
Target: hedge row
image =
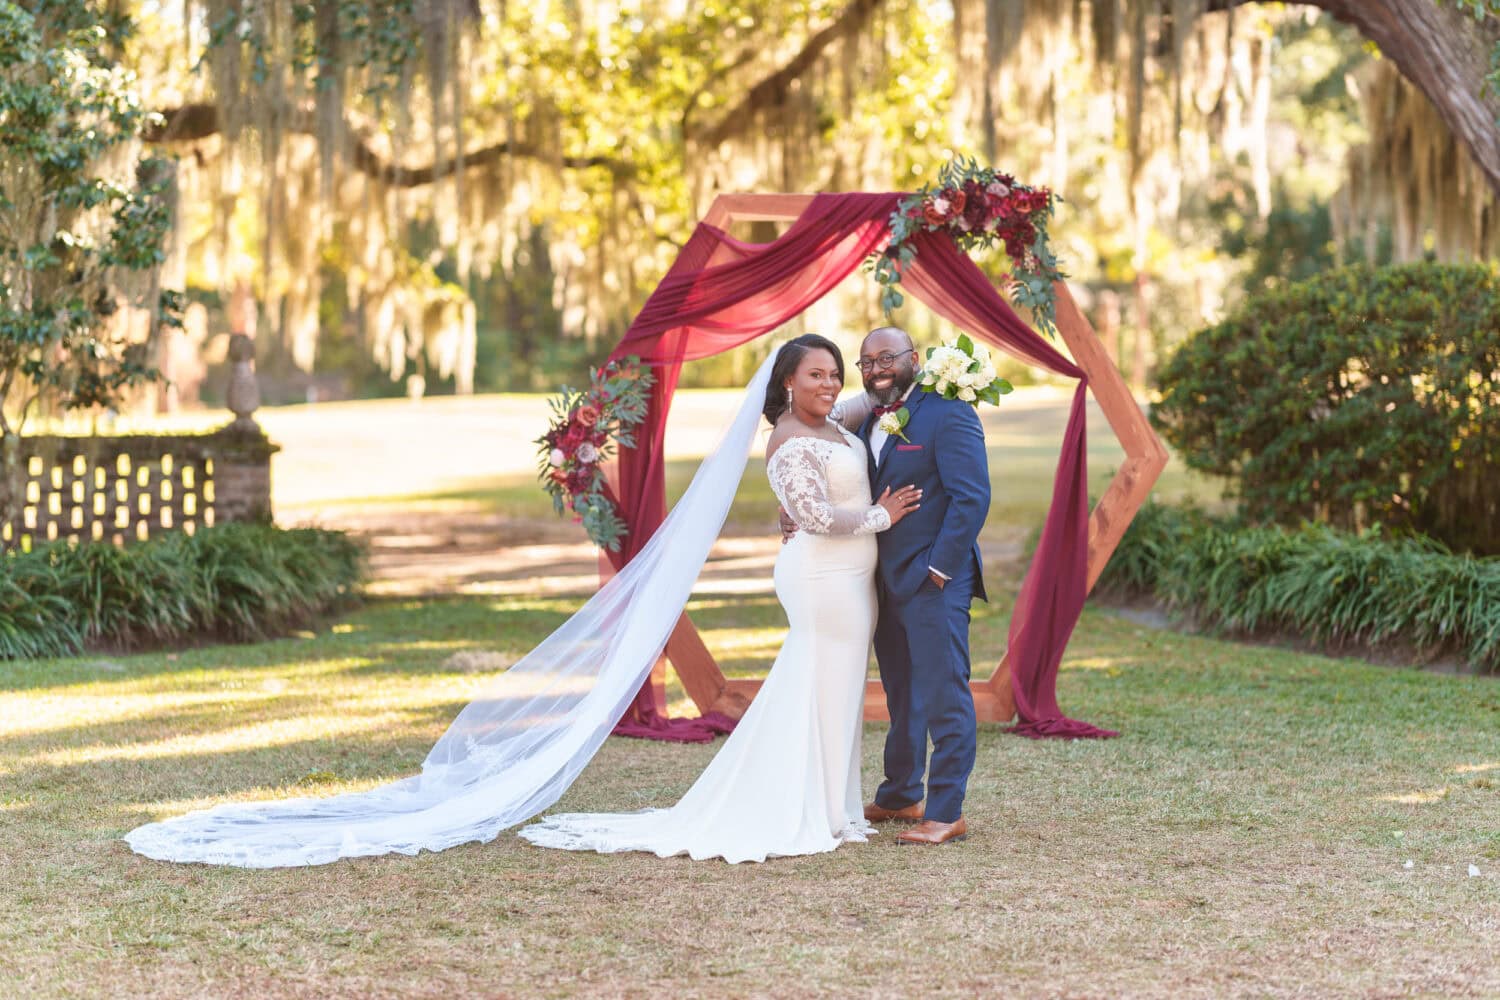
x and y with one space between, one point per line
236 581
1357 397
1316 582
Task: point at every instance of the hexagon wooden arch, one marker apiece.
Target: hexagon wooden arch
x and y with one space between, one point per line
1145 457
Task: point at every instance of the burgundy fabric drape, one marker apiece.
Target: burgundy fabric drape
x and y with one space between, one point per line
721 293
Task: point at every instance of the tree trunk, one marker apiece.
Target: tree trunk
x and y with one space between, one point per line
1446 53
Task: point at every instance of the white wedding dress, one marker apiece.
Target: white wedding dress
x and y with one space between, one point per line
787 781
527 735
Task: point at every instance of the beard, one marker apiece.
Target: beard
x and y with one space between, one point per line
901 379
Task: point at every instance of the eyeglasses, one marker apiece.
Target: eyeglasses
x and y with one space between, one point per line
882 360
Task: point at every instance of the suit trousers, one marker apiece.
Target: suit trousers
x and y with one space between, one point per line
922 643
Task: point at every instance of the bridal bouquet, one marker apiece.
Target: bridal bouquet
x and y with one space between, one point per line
962 369
979 207
587 424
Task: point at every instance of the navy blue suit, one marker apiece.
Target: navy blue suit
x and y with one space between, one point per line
922 634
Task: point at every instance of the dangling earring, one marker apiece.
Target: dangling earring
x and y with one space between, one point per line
788 395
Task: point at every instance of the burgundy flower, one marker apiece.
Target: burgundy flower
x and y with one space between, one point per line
976 208
588 415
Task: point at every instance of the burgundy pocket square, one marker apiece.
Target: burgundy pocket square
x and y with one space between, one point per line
908 447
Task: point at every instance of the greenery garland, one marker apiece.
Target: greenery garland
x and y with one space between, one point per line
587 425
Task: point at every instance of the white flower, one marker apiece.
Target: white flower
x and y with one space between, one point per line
942 385
556 458
967 395
890 423
587 453
940 205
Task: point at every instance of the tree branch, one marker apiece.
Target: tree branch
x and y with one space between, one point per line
1444 51
199 121
771 91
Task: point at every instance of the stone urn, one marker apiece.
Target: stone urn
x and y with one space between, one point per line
244 392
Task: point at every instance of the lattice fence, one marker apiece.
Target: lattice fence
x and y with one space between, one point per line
131 487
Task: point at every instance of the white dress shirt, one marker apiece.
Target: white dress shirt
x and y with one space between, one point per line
878 437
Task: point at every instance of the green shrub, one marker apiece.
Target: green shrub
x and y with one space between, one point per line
1360 397
235 581
1320 583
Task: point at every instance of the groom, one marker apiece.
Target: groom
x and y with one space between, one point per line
928 575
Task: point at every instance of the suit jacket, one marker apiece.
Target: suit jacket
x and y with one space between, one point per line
945 458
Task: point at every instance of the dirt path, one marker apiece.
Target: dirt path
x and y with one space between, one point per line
421 484
438 553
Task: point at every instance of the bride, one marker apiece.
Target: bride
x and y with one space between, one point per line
787 781
515 749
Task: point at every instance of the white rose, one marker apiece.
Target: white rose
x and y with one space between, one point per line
556 458
587 453
890 423
967 395
942 385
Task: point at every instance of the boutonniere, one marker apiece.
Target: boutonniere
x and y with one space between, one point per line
894 422
961 369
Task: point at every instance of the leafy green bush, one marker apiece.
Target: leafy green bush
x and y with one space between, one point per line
234 581
1329 586
1360 397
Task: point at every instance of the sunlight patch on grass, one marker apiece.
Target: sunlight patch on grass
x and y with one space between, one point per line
745 641
259 736
1108 664
1419 798
131 812
1477 768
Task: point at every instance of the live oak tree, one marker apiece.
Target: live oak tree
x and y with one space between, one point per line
387 175
84 213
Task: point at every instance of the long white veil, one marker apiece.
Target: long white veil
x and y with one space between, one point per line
514 750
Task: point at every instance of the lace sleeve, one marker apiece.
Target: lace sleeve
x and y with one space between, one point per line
797 477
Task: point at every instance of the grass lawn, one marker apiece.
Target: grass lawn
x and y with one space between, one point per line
1271 824
1250 834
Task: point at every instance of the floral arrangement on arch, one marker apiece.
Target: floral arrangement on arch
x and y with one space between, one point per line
979 207
587 424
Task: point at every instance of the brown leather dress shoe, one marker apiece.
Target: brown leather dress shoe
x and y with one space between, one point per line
932 833
880 814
